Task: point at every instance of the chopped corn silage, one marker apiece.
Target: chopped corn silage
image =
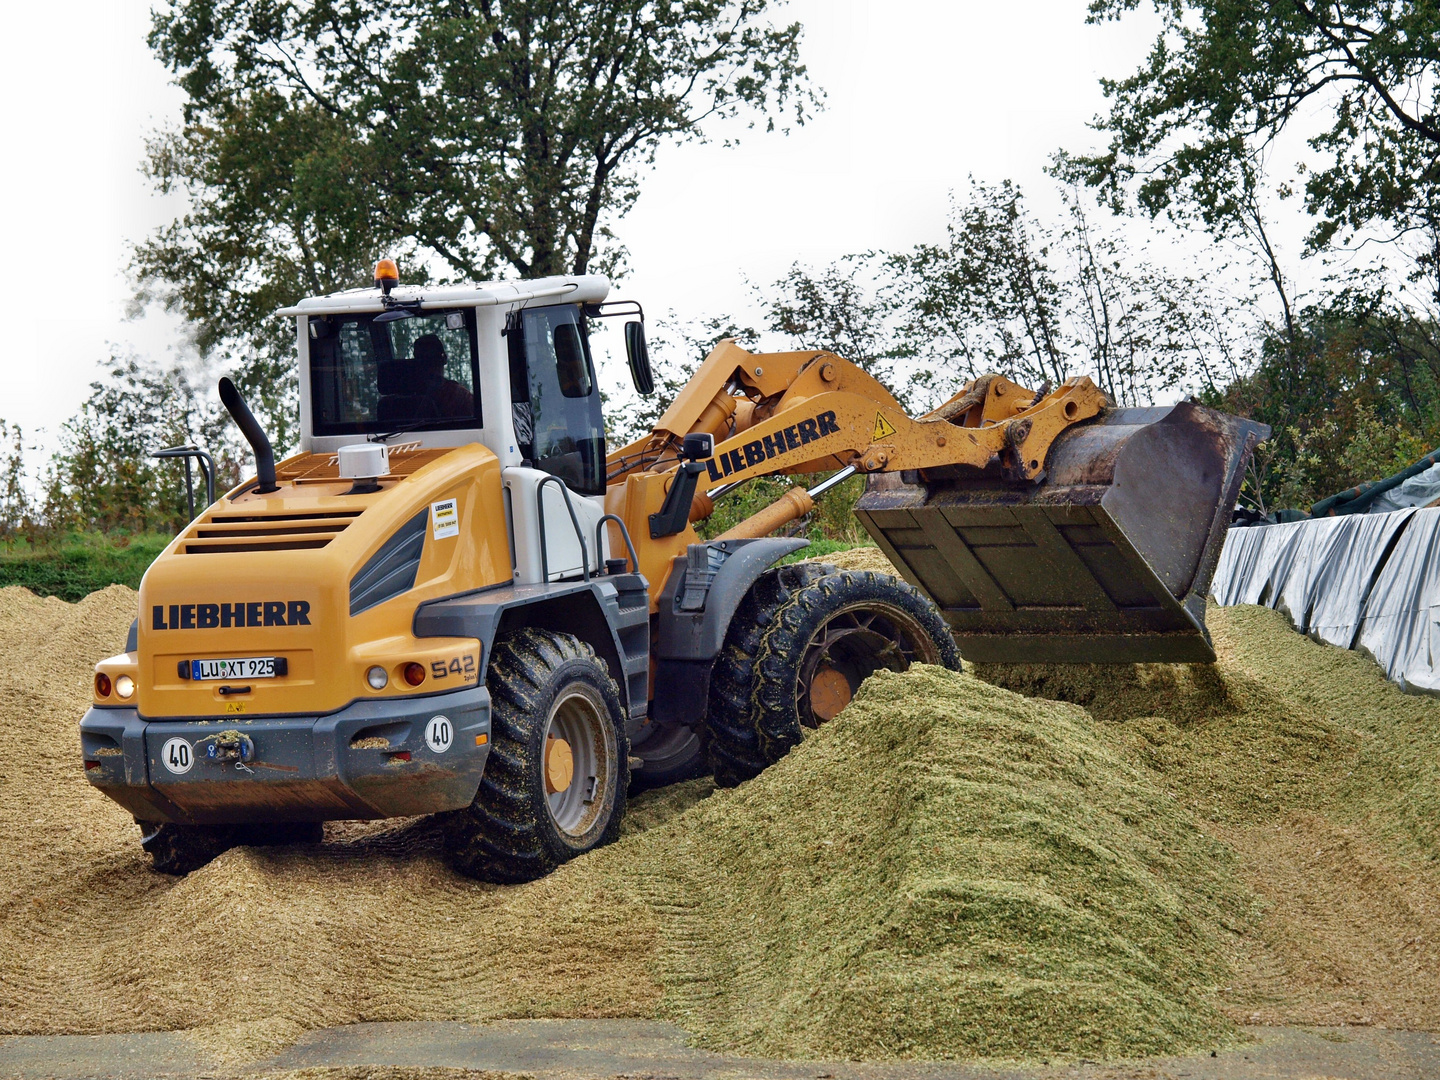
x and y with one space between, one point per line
948 870
1325 779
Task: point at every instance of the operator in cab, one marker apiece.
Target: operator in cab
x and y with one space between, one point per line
452 399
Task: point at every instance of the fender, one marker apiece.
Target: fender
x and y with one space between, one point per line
610 613
700 598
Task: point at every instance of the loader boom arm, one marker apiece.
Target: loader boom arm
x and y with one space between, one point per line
807 412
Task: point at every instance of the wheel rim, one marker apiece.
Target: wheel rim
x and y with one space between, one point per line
577 760
660 748
850 646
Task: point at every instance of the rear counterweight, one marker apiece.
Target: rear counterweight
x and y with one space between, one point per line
374 759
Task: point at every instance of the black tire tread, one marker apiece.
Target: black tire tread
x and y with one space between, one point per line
180 849
730 737
773 707
502 837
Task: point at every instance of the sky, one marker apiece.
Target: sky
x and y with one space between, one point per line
920 95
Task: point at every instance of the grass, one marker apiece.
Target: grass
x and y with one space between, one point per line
74 566
821 546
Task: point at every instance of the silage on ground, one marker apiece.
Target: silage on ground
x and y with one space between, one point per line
947 871
1322 776
1325 779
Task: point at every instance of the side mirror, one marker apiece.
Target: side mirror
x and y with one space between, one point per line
639 357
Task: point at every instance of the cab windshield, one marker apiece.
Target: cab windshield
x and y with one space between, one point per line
555 401
410 373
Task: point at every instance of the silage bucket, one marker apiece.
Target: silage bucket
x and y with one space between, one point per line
1106 560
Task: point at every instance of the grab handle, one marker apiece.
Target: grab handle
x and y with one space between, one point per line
575 521
625 534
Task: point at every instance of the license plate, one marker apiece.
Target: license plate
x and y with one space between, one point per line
244 667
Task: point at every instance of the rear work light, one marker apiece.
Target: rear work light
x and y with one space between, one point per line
124 686
102 684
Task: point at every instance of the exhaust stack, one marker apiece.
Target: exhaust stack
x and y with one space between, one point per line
250 428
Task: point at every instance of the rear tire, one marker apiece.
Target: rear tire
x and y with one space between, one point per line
541 804
730 736
179 849
832 635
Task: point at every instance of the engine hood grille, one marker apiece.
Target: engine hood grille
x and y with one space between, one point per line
237 532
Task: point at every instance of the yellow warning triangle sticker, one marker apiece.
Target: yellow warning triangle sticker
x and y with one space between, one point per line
883 428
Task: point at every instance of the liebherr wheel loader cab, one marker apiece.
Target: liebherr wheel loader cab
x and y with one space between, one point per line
452 600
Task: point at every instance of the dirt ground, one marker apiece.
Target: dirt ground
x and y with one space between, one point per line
1318 782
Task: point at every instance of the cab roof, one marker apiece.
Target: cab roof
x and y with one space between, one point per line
582 288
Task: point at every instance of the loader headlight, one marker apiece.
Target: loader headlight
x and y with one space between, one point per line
377 678
124 686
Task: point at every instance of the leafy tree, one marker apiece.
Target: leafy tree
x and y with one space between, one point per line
467 137
102 477
1006 292
842 310
1225 78
15 506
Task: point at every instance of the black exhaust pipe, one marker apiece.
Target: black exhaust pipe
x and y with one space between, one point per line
245 421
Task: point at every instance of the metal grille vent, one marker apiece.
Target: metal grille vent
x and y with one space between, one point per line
270 532
391 570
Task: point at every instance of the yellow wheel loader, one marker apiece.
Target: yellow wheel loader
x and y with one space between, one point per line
452 600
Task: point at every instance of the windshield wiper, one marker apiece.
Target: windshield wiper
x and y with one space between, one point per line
424 425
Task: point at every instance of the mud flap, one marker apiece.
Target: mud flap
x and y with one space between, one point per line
1106 560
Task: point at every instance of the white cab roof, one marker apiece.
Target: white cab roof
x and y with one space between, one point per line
583 288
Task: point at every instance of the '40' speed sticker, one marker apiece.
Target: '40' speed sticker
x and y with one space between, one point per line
177 755
439 734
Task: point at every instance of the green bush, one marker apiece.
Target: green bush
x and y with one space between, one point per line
78 564
833 518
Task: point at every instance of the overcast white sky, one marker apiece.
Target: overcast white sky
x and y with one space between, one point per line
921 93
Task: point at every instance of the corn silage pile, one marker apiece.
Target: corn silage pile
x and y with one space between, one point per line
948 870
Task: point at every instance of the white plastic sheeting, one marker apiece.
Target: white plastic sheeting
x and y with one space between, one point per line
1420 490
1254 563
1401 629
1324 573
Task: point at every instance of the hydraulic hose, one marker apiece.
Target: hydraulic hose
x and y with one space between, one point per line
250 428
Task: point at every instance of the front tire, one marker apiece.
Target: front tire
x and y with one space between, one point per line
555 780
731 738
829 638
